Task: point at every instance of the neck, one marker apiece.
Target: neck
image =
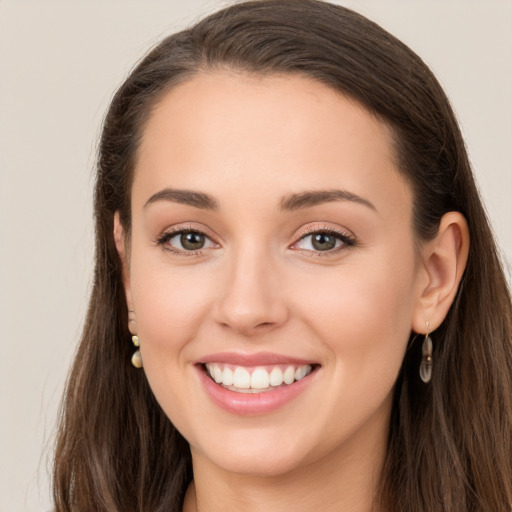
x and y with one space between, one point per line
344 481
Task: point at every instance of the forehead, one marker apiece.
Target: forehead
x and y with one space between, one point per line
277 133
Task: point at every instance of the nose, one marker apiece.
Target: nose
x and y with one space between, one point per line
252 299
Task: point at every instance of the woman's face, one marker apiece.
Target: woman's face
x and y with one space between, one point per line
271 239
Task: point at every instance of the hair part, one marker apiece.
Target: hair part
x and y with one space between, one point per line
450 445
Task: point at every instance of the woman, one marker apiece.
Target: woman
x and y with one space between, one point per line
289 233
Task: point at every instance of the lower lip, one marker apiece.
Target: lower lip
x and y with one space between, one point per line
252 404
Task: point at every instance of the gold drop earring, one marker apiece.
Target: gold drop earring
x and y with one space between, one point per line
426 357
136 358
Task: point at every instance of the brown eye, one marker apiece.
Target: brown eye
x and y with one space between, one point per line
323 241
192 241
186 242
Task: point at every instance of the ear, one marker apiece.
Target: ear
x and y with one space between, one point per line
443 262
122 250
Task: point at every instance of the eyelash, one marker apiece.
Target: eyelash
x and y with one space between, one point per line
164 238
347 241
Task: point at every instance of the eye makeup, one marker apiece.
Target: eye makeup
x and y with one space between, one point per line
316 240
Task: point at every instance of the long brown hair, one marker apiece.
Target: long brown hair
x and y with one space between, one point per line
450 441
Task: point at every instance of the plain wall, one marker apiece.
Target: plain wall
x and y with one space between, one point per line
60 62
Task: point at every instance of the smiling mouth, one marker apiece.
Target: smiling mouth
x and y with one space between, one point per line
259 379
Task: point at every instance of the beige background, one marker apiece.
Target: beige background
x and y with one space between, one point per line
59 65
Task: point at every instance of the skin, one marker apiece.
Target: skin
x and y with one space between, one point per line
259 285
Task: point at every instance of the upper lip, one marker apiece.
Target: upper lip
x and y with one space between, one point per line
257 359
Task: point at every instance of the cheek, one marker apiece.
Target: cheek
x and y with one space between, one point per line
364 312
168 299
170 305
363 318
170 308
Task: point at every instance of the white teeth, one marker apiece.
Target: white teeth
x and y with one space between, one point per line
239 378
300 373
227 377
289 375
259 379
217 374
276 377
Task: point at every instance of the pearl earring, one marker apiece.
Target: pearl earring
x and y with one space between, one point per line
136 358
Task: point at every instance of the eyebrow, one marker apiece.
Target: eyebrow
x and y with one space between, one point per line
312 198
188 197
291 202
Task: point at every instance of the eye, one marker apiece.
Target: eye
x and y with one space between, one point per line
323 241
185 241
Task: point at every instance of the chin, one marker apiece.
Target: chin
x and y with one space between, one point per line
258 466
264 455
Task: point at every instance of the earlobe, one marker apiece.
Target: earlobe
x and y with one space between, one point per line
120 241
444 261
